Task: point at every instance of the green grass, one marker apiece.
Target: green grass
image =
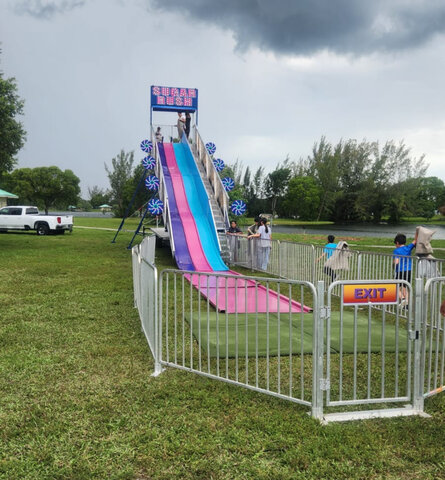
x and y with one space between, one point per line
77 400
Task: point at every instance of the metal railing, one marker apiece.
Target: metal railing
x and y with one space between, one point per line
145 285
202 156
305 262
253 332
433 346
163 195
243 348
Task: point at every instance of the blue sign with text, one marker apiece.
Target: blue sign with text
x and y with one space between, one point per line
174 99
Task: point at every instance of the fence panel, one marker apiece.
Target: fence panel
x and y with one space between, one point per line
249 331
135 260
145 281
368 351
433 338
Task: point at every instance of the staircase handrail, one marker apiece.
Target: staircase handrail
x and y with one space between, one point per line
163 195
212 175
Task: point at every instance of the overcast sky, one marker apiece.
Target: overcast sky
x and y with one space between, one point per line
273 76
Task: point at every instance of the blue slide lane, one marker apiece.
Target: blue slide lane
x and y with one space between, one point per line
182 254
199 205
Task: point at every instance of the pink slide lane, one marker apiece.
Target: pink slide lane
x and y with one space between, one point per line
233 295
191 232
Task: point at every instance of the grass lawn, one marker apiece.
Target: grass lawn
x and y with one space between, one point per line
78 402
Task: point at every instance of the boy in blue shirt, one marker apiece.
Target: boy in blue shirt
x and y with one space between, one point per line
403 263
328 250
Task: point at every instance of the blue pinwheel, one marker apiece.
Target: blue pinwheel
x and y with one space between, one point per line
149 163
152 182
155 206
219 164
228 184
211 148
238 207
146 146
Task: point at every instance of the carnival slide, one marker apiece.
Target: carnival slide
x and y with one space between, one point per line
196 244
199 205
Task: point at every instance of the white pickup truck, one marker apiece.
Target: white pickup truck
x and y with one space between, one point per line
28 218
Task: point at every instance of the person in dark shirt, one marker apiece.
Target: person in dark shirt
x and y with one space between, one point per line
234 243
234 229
188 119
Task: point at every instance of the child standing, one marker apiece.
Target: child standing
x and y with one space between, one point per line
403 263
328 250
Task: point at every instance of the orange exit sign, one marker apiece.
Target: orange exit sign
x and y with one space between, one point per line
357 294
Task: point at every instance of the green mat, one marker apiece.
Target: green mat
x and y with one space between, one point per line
218 335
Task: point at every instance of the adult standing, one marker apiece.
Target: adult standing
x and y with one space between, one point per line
158 135
253 249
188 120
265 236
180 124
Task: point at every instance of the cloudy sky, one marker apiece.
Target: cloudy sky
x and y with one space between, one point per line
273 76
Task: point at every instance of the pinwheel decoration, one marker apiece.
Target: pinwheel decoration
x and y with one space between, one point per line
146 146
155 206
238 207
149 163
211 148
219 164
228 184
152 182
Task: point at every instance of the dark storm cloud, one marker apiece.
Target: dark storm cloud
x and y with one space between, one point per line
307 26
45 8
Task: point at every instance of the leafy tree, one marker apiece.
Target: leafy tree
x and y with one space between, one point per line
361 181
256 204
119 176
429 196
323 166
276 184
12 133
142 195
303 198
235 172
98 196
85 205
45 186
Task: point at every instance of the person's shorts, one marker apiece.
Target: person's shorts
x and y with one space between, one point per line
406 275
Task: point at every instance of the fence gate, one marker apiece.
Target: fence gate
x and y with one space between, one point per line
370 347
433 345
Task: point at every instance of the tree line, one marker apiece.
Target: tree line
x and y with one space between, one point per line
350 181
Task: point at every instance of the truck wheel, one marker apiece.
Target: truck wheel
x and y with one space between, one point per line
42 229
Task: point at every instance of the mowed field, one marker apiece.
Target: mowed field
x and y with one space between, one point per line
77 400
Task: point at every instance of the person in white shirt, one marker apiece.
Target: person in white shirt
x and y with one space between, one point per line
181 124
264 235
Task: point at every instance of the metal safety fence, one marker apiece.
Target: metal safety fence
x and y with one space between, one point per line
248 331
305 262
433 346
298 340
